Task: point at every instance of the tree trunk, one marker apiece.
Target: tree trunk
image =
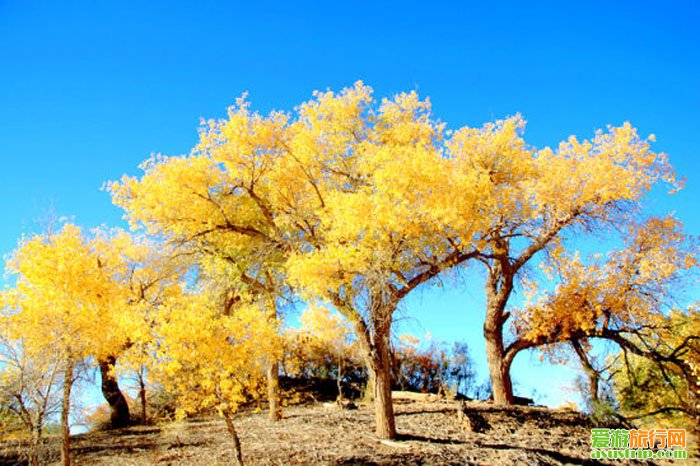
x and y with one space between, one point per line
273 390
142 397
498 289
65 411
34 452
383 407
591 372
376 353
120 416
339 380
273 378
380 367
237 454
499 368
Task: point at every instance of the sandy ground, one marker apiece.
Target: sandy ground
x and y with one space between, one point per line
430 433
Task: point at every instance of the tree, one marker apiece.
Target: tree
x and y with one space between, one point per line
462 369
73 297
61 292
354 204
148 274
213 358
215 205
29 388
656 375
432 368
623 298
539 198
322 346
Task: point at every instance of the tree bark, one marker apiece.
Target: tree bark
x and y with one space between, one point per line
65 411
273 390
339 380
273 377
142 397
237 454
36 446
120 416
375 348
499 368
498 290
383 406
591 372
380 367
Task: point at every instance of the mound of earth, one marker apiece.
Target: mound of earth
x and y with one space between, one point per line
430 433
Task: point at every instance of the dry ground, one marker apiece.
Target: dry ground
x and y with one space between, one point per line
431 433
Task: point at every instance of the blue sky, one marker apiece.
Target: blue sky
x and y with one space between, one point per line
90 89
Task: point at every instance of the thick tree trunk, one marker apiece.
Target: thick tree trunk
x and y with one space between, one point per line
120 416
237 454
380 368
375 348
383 406
498 289
65 412
499 368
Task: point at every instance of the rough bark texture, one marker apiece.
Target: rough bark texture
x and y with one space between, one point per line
65 412
120 416
237 454
499 368
383 406
498 289
380 367
374 345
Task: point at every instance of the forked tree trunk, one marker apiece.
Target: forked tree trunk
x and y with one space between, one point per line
65 411
375 348
120 416
237 454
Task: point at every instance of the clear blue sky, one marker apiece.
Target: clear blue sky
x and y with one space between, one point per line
90 89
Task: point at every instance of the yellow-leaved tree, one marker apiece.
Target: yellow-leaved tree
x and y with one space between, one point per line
356 203
148 274
353 202
214 357
626 298
656 378
323 345
64 301
539 198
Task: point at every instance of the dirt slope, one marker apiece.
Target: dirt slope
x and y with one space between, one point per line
432 433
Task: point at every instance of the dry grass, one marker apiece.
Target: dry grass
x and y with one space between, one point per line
431 433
